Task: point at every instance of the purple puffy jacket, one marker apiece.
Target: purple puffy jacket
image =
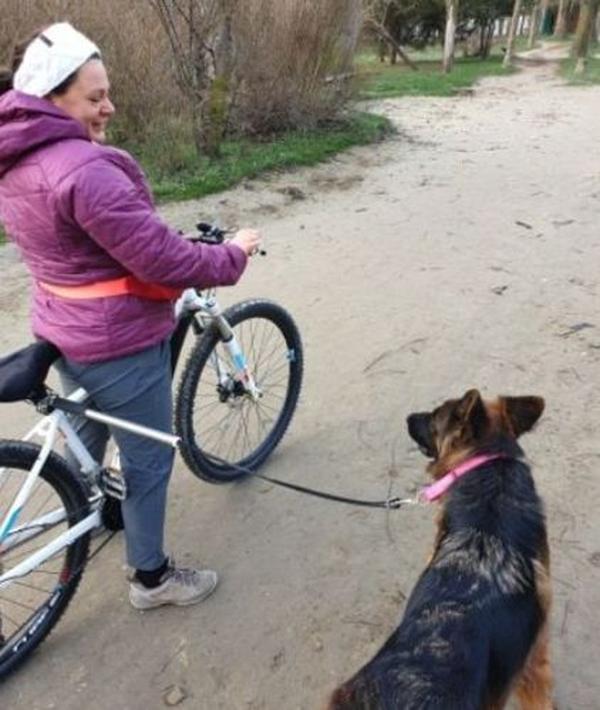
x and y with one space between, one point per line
82 212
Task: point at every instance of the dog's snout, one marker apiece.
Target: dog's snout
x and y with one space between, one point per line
419 430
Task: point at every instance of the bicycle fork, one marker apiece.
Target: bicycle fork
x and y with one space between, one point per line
231 344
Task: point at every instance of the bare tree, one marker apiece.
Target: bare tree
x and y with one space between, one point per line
449 37
293 59
510 42
587 13
376 12
199 33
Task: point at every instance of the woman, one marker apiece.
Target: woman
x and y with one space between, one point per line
82 217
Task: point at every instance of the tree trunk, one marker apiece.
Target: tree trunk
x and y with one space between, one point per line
581 42
533 24
486 38
385 35
560 28
594 26
510 42
545 17
451 17
352 28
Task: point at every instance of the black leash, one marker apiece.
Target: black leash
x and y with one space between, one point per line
391 503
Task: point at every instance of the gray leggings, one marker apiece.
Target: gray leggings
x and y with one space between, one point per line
136 387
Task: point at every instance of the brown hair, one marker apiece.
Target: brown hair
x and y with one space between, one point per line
7 73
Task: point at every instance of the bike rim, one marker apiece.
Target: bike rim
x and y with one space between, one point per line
25 602
235 430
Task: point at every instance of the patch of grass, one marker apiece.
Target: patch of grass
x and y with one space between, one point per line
551 38
590 77
429 80
176 173
190 177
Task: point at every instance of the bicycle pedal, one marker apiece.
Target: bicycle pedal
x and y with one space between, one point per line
113 484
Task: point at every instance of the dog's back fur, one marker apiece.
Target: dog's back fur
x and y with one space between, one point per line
478 610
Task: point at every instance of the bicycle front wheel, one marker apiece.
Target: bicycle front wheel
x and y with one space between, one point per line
224 431
32 603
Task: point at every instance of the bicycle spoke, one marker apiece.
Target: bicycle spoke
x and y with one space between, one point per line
6 616
262 357
19 604
262 404
13 559
259 350
246 434
20 583
266 357
276 370
234 440
44 501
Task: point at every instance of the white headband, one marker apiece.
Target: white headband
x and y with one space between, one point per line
51 57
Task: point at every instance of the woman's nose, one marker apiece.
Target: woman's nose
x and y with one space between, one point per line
108 107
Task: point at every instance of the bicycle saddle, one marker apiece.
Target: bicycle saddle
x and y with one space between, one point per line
22 373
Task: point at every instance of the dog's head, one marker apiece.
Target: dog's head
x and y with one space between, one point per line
465 425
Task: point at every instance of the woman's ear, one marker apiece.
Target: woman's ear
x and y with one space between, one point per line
523 412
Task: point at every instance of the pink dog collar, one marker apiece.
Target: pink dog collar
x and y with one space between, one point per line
436 490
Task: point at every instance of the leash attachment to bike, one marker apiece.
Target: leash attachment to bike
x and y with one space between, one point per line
390 503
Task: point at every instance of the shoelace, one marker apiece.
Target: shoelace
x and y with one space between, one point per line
184 575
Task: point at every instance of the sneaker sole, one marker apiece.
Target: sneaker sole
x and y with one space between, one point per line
144 606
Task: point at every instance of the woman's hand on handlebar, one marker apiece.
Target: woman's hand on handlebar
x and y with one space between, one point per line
248 240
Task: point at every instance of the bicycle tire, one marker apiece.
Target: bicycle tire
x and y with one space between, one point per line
19 456
196 455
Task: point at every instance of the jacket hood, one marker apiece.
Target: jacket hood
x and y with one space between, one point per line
27 123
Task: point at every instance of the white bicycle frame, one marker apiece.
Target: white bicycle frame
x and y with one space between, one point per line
57 423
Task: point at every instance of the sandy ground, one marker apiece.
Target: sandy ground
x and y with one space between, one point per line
463 252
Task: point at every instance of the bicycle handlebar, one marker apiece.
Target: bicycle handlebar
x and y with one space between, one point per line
211 234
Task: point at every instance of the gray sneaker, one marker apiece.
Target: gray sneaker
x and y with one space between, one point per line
181 586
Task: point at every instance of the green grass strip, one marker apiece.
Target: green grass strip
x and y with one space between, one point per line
245 158
429 80
590 77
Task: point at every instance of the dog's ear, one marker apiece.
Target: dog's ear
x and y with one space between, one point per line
471 412
523 412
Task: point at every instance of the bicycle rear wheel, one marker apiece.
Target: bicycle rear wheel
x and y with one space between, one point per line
223 429
31 605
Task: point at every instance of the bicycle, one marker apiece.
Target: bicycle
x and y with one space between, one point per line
236 396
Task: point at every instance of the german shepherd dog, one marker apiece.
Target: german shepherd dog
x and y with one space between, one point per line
475 627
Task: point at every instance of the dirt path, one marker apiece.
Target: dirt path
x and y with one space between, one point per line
464 252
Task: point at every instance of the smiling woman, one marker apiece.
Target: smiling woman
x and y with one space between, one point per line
81 214
86 99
